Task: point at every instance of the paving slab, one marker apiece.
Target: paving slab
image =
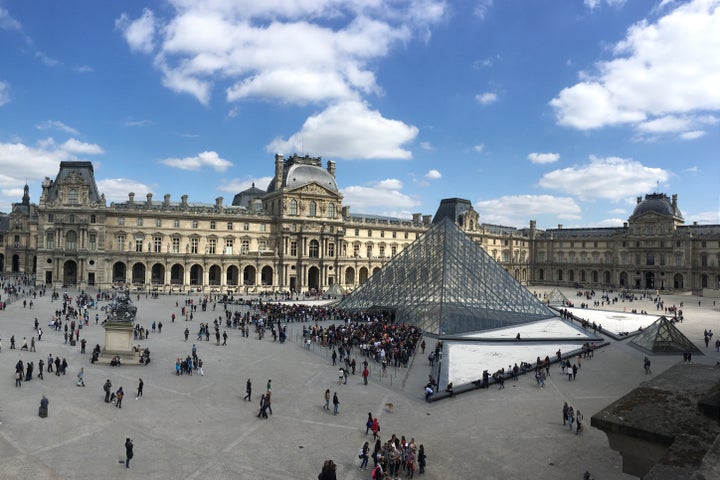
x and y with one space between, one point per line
199 427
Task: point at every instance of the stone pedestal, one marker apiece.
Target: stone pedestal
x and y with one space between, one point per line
118 341
118 338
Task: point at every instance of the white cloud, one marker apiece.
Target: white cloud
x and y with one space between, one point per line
379 198
609 178
349 130
46 59
4 95
661 71
138 33
76 146
543 157
709 217
236 185
138 123
692 169
84 69
515 210
56 125
19 162
117 189
433 175
486 98
479 147
611 222
426 145
692 135
482 7
7 22
593 4
211 159
293 51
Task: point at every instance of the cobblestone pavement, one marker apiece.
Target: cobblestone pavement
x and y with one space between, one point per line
199 427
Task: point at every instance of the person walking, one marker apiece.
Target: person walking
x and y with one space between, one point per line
327 399
248 391
570 417
646 365
375 428
368 423
578 422
80 375
107 388
365 374
263 407
41 365
128 452
364 455
140 389
118 397
336 403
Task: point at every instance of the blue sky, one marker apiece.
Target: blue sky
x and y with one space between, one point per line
559 111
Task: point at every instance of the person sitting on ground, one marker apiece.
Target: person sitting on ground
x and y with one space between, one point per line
449 389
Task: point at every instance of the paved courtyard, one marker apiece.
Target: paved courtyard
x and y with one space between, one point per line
199 427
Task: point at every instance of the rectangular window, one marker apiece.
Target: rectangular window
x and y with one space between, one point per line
650 259
193 245
51 217
212 243
139 222
369 233
50 240
212 224
138 244
93 219
262 245
293 249
356 250
175 245
678 260
157 244
357 232
121 242
406 235
331 249
92 241
382 251
662 259
369 251
194 224
158 222
506 256
229 225
393 250
229 245
246 226
263 227
245 247
382 233
176 223
394 234
121 220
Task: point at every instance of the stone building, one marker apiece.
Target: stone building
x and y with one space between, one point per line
297 235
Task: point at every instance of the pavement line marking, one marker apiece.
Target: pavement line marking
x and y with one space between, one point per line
69 440
12 442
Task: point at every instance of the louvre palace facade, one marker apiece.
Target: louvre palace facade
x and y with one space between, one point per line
297 235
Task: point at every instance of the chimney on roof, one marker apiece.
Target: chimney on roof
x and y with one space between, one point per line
149 199
183 201
131 198
345 211
218 202
427 219
331 168
674 200
639 199
278 171
166 200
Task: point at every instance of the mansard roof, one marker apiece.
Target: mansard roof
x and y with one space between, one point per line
74 171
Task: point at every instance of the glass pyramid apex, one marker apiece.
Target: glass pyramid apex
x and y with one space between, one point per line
446 284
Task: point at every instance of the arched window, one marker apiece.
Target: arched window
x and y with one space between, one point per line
293 207
313 209
71 240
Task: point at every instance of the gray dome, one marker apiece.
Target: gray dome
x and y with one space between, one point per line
296 174
657 203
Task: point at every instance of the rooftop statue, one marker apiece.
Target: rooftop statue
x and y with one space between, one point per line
121 308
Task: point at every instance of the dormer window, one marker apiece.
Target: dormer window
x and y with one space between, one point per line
72 196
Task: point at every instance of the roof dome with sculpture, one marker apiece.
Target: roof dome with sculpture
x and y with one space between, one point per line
298 171
657 203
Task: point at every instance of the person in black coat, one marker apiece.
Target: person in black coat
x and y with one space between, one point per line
128 452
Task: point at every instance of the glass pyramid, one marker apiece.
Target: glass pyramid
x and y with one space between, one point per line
662 337
446 284
557 299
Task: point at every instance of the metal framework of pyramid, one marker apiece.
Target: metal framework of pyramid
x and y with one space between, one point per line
446 284
557 299
664 338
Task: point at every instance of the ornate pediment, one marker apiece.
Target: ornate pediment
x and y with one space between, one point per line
313 189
